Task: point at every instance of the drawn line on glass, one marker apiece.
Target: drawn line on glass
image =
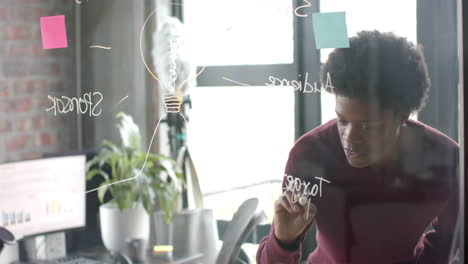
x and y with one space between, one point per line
142 168
229 80
173 71
141 43
186 123
143 56
303 6
192 77
123 99
100 47
146 158
69 104
159 121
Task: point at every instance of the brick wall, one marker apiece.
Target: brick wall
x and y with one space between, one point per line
28 74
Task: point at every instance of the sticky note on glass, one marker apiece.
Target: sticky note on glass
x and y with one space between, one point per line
54 33
330 30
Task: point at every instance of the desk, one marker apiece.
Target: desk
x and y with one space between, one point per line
185 260
100 253
108 260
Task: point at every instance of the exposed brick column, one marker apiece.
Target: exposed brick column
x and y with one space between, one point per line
28 74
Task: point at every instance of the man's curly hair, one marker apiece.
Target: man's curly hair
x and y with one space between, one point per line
382 67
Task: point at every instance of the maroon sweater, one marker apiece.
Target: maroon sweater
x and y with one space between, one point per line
375 216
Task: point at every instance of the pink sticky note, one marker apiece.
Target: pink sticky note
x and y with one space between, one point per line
54 33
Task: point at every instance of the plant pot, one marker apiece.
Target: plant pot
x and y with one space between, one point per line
118 227
190 232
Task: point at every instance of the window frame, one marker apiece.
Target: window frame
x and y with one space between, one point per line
307 108
306 59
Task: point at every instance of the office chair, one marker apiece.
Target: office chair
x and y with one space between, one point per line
6 237
247 217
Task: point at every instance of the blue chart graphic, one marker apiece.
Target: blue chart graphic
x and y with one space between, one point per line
15 218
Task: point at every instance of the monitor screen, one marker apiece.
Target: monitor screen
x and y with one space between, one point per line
42 196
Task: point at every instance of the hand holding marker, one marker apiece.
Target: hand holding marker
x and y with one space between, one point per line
292 215
303 201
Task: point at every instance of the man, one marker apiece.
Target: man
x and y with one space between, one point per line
391 189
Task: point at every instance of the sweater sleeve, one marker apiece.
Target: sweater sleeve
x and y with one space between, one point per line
435 246
270 251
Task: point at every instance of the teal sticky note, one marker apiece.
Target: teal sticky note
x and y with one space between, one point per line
330 30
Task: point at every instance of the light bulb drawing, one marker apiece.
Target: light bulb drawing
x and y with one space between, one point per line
176 74
175 71
173 100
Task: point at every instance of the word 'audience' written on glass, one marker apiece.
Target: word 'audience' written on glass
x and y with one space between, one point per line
306 88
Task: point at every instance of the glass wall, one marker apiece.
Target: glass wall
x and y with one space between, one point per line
354 105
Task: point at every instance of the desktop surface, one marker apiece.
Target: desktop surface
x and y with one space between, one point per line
102 254
66 260
108 259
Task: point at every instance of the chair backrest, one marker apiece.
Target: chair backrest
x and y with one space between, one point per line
6 237
242 224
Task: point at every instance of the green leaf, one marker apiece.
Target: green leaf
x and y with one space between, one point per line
113 163
102 191
105 175
159 157
160 176
169 168
138 159
129 131
92 162
165 205
120 204
90 175
146 203
111 146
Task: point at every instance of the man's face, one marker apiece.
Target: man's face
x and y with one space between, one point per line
368 133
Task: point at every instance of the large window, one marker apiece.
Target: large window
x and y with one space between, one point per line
359 17
240 137
241 129
240 32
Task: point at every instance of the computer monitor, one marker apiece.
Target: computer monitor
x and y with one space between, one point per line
42 196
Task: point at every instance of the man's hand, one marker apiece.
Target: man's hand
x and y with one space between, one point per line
292 217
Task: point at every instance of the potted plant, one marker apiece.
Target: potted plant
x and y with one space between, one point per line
136 179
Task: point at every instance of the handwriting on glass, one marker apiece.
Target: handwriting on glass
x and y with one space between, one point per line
173 69
66 104
300 187
297 85
296 11
100 47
